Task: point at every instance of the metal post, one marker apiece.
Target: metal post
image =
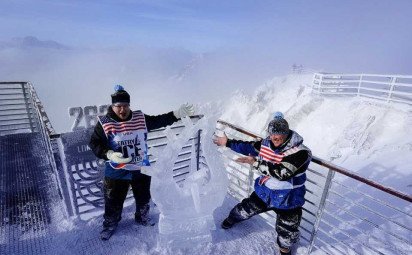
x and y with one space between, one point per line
198 150
313 80
393 81
320 84
251 180
359 84
27 95
328 183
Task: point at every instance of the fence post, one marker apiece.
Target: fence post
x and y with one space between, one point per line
320 84
313 81
393 81
317 87
328 183
359 84
27 96
198 149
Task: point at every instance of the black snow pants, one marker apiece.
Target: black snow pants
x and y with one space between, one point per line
287 221
115 192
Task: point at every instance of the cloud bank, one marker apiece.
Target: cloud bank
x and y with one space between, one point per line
159 79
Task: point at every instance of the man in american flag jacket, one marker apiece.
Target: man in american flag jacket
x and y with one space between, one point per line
120 138
281 159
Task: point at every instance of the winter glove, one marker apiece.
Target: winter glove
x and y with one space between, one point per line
117 157
184 110
146 170
262 168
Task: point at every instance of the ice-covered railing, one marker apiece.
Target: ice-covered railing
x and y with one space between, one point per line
344 213
390 88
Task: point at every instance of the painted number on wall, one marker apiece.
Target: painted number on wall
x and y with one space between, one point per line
86 117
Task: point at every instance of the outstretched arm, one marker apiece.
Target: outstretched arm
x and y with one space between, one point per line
159 121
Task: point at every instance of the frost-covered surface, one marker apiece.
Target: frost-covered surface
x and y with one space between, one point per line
367 137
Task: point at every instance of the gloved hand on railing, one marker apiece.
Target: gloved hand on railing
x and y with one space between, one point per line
220 139
184 111
117 157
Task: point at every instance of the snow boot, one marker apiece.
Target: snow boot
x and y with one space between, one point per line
142 215
106 233
285 251
227 223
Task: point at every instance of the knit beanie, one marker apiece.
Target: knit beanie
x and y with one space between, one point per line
120 95
278 126
278 115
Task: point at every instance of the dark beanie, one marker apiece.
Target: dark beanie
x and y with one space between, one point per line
278 126
120 95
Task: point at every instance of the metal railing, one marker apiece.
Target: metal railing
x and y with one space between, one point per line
21 111
389 88
344 213
17 113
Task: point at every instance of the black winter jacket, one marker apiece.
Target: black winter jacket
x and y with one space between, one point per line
98 141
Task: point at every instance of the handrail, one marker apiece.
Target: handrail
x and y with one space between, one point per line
366 74
332 167
241 130
389 88
348 173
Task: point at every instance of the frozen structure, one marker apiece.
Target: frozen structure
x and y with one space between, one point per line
186 209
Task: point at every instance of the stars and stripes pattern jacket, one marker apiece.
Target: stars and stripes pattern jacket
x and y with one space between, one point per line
283 187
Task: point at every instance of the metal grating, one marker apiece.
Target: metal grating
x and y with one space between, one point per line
26 176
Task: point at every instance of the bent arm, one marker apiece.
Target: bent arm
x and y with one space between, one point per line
98 142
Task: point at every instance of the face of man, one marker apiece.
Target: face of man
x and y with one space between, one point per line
122 110
278 140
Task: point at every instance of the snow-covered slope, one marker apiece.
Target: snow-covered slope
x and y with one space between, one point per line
365 136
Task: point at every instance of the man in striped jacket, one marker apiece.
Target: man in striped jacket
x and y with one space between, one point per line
120 137
281 159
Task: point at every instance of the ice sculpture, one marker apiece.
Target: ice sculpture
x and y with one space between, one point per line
186 210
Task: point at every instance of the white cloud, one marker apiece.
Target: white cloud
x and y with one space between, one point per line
159 80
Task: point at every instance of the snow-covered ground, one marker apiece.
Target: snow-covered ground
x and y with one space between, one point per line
368 137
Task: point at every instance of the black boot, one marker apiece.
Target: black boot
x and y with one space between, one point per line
142 215
107 232
285 251
227 223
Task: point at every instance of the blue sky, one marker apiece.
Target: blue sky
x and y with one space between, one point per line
357 31
362 26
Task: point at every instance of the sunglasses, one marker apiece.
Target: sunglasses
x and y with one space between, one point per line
125 106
